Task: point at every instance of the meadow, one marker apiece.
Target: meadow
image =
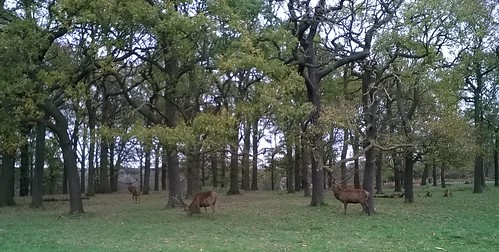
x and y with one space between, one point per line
259 221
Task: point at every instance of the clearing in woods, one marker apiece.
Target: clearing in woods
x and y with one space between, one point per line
259 221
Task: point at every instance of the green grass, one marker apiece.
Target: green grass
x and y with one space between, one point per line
261 221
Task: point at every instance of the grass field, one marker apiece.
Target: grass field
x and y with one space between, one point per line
258 221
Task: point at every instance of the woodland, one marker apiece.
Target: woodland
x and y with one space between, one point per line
229 94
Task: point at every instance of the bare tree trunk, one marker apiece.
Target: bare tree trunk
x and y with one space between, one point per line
234 173
37 196
297 168
356 175
254 174
304 170
83 160
496 161
245 179
157 154
147 171
397 166
7 180
442 174
113 173
223 159
193 169
343 166
426 170
91 151
289 168
174 189
409 174
379 169
164 168
24 169
434 172
214 169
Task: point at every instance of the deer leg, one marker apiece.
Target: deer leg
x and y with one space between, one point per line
205 211
212 211
345 204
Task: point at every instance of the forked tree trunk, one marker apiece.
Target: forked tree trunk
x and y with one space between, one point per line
356 175
157 154
409 174
24 169
397 166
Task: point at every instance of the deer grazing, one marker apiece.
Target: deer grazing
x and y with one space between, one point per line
134 191
201 199
354 196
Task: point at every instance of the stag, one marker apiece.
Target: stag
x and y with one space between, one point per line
134 191
354 196
201 199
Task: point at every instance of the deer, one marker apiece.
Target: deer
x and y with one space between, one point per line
201 199
354 196
134 191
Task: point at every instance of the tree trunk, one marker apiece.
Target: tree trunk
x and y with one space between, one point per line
83 162
91 150
64 181
289 168
379 168
113 169
7 180
304 170
157 153
397 166
343 166
164 168
245 179
37 195
223 159
297 165
477 186
254 173
442 174
369 110
496 161
147 171
24 169
434 173
214 169
356 175
424 177
409 174
104 168
61 130
193 167
174 189
234 173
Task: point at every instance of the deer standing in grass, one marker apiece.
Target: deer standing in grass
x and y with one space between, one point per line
354 196
202 199
134 191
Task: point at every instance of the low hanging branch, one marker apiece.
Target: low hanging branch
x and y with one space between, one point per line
372 144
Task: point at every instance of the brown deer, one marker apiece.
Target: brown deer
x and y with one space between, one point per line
354 196
134 191
202 199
